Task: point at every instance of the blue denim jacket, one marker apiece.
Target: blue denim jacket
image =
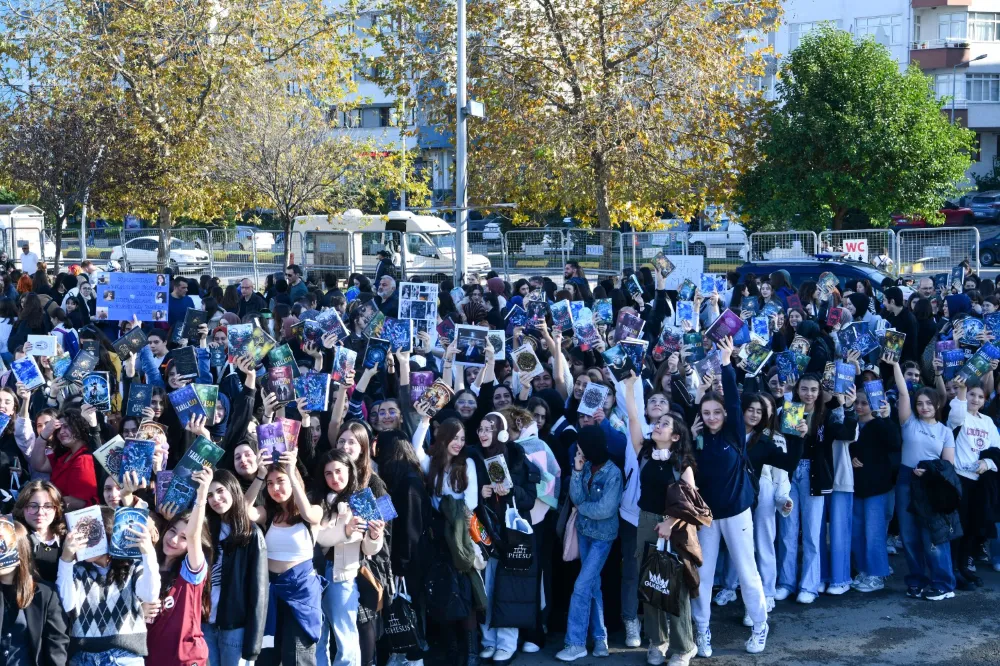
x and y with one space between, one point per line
597 500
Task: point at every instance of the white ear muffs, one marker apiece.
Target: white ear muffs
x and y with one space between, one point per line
503 435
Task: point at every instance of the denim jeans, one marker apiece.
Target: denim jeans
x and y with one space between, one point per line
836 559
807 511
340 618
501 638
586 606
868 534
630 571
106 658
927 563
225 646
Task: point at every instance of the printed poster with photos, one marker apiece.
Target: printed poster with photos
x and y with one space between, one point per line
122 295
419 301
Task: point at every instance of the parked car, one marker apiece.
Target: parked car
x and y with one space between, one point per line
954 216
142 254
804 269
252 238
985 206
989 251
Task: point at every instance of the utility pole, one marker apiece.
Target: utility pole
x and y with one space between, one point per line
461 177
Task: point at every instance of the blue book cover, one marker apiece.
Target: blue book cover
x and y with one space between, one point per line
183 489
376 352
26 371
603 311
992 323
876 394
82 365
707 284
787 368
399 333
97 391
121 544
686 291
742 336
750 304
685 313
364 506
844 377
137 456
953 360
761 328
186 404
385 507
971 328
315 388
516 316
575 308
140 396
991 351
331 322
636 352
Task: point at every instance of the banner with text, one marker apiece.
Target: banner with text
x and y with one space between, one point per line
122 295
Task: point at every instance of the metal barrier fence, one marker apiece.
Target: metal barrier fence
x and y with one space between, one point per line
598 251
929 251
872 246
775 245
324 252
639 247
534 252
722 250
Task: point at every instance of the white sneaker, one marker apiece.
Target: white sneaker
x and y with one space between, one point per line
506 655
530 647
487 653
805 597
857 580
890 545
770 603
632 637
821 589
837 590
871 584
601 649
724 596
781 593
682 659
757 640
704 642
654 655
572 653
747 621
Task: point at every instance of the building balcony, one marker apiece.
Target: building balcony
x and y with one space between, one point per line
939 53
922 4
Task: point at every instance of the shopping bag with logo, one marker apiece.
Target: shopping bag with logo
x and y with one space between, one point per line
400 620
659 579
571 545
516 551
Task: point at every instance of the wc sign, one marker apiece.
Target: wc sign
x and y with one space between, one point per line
856 249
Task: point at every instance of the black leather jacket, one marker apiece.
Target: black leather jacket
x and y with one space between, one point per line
243 594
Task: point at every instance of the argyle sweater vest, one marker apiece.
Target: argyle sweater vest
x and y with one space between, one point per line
110 616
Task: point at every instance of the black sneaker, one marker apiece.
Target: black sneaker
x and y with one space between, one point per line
934 593
972 578
984 554
914 592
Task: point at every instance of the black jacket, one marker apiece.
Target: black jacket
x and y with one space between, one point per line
818 447
244 589
987 497
934 499
879 440
48 640
255 304
906 322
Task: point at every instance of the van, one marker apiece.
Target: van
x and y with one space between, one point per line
428 242
23 223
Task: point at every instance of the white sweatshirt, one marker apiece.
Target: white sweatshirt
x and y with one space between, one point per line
977 433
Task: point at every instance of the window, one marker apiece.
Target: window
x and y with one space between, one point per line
977 153
952 26
984 27
350 119
384 116
887 30
982 87
796 31
916 28
943 87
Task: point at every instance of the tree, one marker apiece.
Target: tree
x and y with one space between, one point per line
173 64
287 155
849 131
604 110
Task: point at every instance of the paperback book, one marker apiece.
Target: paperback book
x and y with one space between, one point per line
686 291
185 360
664 265
279 379
26 371
971 328
791 415
208 396
399 333
685 315
593 398
182 487
526 363
186 404
109 456
343 363
845 377
750 304
952 360
82 365
435 398
239 340
727 325
603 312
364 506
499 473
755 356
562 316
636 350
893 344
420 381
375 352
315 388
130 343
876 394
471 345
629 325
330 322
137 456
618 362
127 518
97 391
90 523
760 327
60 364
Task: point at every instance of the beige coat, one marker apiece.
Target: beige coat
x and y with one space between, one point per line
347 551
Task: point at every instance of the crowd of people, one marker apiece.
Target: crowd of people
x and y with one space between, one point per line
515 507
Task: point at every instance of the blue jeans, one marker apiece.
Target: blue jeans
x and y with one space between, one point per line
630 570
836 561
225 646
340 618
922 556
586 606
106 658
868 534
807 511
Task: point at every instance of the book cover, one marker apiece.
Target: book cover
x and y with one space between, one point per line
82 365
91 346
670 341
755 356
42 345
281 355
990 349
794 302
208 396
218 355
845 377
308 330
446 332
770 309
562 316
694 344
787 368
957 279
603 311
664 265
290 429
992 323
279 379
499 473
975 367
792 413
343 363
710 365
685 315
109 456
331 322
686 291
516 317
261 343
576 308
375 352
826 285
971 328
618 362
375 325
636 350
856 336
940 281
385 507
435 397
130 343
457 295
760 327
419 383
26 371
193 319
526 363
894 343
9 556
399 333
728 324
834 317
952 360
364 506
498 341
629 325
876 394
707 284
126 517
152 430
137 456
162 483
185 360
183 489
633 286
587 335
97 391
186 404
59 364
944 345
593 398
315 388
471 345
829 377
750 304
239 340
537 312
89 522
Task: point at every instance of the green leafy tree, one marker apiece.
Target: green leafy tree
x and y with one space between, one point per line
848 132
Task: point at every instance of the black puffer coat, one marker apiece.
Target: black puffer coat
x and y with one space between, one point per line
934 499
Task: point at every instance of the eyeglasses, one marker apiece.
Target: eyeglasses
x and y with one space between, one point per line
484 430
35 508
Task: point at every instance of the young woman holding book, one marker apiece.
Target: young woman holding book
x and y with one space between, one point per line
39 508
70 462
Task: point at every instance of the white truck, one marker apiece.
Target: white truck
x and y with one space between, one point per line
22 224
713 239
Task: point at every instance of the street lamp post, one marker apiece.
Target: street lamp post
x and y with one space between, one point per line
954 82
461 177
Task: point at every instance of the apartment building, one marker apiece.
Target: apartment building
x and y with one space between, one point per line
941 36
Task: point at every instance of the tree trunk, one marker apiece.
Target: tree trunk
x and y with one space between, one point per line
600 167
55 259
287 225
164 220
838 219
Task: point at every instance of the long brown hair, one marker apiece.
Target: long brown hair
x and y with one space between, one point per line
363 464
167 578
288 512
41 486
24 580
458 475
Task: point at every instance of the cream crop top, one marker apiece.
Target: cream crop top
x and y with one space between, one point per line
289 544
